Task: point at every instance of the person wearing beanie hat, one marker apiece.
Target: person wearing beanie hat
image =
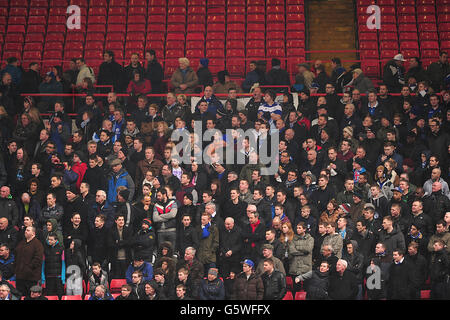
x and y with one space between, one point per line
205 77
144 241
124 193
212 288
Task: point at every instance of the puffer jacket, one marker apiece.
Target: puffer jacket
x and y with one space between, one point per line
439 266
300 254
274 285
8 210
251 289
212 290
164 215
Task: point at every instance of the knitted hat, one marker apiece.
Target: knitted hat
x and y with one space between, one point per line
189 196
125 193
116 162
204 62
312 176
345 207
72 189
369 205
349 130
357 194
213 271
147 221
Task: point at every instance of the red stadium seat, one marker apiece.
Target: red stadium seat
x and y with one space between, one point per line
255 53
18 11
388 53
428 36
388 36
389 45
196 28
36 29
300 295
425 9
366 36
33 46
406 10
13 46
427 27
77 297
407 36
371 68
14 37
256 18
444 35
52 297
235 53
288 296
37 20
34 37
425 294
16 29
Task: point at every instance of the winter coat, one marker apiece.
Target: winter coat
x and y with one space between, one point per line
336 242
144 244
7 267
393 240
164 215
316 284
393 76
97 244
362 83
212 290
208 246
114 243
155 74
53 264
189 78
92 281
112 74
8 209
300 254
255 239
402 281
355 262
274 285
104 209
56 212
8 236
115 180
29 257
439 266
251 289
77 257
277 265
445 236
343 287
187 237
146 269
230 240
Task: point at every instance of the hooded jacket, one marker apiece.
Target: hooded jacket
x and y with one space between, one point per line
54 229
144 243
212 290
146 269
115 180
355 262
53 263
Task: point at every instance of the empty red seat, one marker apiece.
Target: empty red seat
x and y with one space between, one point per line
197 3
428 27
255 35
288 296
445 45
94 45
255 53
96 28
444 35
235 53
407 36
429 53
38 12
215 53
276 52
32 55
297 26
443 27
216 27
425 9
117 3
408 28
300 295
36 29
53 54
388 36
53 46
406 10
93 54
34 37
256 18
71 36
371 68
368 54
175 28
426 18
388 53
135 36
234 67
366 36
295 43
16 29
252 44
14 37
196 28
368 45
443 18
405 45
95 37
38 20
18 11
73 46
389 45
406 19
235 44
275 27
428 36
235 36
117 11
388 11
13 46
155 36
195 53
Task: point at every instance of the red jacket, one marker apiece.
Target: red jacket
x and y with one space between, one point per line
80 169
142 87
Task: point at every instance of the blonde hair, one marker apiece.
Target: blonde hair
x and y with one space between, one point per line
184 60
290 233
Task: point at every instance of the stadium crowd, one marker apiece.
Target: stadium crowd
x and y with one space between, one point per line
359 206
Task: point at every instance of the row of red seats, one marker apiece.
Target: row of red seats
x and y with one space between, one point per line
402 32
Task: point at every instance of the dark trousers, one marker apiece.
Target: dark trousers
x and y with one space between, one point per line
119 268
54 286
24 286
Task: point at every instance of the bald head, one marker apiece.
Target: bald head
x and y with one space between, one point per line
3 223
229 223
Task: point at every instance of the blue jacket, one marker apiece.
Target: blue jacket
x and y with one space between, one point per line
117 180
146 269
7 268
15 72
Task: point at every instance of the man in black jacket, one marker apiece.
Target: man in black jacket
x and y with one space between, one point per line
154 71
97 242
186 235
119 242
420 266
144 241
274 282
439 271
343 284
402 283
8 234
111 73
277 76
31 79
230 246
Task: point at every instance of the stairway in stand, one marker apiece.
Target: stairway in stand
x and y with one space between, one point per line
331 26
